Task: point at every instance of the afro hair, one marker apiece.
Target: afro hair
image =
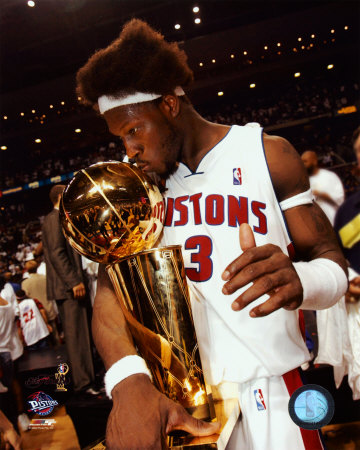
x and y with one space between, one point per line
139 60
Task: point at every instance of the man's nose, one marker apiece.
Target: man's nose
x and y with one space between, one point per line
131 151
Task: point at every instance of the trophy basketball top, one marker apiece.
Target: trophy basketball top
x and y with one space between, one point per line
111 210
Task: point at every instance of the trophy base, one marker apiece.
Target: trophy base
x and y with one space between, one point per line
227 412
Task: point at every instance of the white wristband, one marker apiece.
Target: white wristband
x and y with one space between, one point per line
125 367
324 282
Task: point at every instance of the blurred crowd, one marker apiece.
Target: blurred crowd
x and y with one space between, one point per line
292 102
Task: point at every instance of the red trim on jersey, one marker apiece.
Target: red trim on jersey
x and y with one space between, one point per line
291 251
38 304
302 324
310 438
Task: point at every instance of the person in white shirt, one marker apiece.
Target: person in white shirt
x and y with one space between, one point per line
325 185
33 321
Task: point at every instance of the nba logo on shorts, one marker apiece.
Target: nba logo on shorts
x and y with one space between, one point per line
237 175
259 398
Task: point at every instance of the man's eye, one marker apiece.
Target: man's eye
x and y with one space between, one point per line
132 131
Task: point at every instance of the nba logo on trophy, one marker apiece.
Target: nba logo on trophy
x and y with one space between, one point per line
259 398
60 375
237 176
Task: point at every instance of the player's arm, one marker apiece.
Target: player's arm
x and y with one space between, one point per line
43 314
141 416
270 270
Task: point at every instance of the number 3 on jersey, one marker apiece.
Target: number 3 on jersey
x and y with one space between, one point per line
203 245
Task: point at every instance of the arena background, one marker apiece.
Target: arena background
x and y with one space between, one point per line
291 66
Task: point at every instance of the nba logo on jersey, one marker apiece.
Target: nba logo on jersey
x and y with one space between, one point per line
237 175
259 398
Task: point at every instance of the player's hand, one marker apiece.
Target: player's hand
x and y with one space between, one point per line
12 439
141 417
353 293
49 327
271 272
79 291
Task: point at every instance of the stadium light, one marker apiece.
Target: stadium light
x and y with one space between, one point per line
232 56
313 36
346 27
299 39
330 66
31 3
245 52
177 26
78 130
3 147
278 44
201 64
252 85
38 140
332 31
197 20
63 103
220 93
196 9
266 47
33 111
51 106
213 61
5 117
297 74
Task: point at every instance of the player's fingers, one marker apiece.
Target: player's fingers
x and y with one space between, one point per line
261 286
283 298
249 256
248 274
246 235
179 419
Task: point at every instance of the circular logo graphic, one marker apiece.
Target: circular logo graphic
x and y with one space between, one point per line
63 368
311 407
41 403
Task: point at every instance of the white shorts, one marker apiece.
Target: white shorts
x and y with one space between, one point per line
265 423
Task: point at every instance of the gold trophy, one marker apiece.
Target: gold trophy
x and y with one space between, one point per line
113 213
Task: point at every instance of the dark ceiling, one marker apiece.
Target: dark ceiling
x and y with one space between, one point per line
54 38
43 47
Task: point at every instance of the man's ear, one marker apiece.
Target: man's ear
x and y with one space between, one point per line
170 105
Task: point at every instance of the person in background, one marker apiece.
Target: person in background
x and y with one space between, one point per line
325 185
65 284
347 228
10 350
35 287
329 194
33 322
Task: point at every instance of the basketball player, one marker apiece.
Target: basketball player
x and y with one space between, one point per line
245 295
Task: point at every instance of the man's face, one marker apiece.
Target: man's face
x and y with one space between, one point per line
357 150
149 137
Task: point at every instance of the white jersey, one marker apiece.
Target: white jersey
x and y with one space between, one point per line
7 320
231 185
329 183
32 323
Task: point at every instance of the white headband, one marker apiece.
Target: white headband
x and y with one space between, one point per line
107 102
